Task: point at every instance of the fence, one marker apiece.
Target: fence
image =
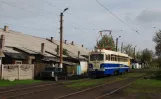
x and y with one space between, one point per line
17 71
39 67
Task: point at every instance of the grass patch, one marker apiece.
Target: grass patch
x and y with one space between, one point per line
149 86
133 75
92 82
148 83
74 81
80 84
83 84
17 82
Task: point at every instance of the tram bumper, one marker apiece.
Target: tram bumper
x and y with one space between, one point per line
96 72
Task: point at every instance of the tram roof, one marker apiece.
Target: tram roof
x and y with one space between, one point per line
111 52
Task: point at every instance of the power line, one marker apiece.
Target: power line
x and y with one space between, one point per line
14 18
10 4
116 16
49 3
28 27
33 7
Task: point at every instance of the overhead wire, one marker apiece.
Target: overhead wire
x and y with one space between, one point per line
49 3
116 17
34 7
10 4
21 8
27 27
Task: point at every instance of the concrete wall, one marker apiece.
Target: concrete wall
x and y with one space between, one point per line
84 67
17 71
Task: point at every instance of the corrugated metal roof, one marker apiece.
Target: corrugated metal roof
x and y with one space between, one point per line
27 50
10 49
32 44
74 48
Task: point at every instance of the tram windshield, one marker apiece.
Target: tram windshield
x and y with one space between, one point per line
96 57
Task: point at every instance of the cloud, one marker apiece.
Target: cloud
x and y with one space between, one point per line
149 16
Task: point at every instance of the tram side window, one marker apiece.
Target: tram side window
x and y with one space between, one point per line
119 58
108 57
116 58
125 59
113 58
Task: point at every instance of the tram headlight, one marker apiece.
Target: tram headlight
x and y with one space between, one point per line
102 66
52 74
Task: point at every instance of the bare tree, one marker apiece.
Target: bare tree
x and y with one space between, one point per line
157 40
128 49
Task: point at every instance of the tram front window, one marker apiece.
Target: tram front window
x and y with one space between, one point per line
96 57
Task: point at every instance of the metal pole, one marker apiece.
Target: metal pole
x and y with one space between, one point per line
134 52
61 40
121 47
116 43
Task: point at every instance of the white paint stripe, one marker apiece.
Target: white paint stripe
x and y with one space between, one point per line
114 67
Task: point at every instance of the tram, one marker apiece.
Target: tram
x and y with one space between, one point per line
106 62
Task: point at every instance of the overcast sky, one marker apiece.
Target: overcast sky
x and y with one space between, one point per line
84 19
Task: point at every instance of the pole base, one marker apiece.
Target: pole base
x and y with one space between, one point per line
61 65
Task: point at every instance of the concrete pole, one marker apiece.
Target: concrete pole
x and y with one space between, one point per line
61 40
116 43
121 47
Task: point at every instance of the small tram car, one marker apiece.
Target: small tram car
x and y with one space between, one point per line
106 62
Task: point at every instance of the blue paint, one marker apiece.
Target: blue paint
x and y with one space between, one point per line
109 69
78 70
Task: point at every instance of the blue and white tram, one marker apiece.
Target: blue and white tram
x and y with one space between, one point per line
106 62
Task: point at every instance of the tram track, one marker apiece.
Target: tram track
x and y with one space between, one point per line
28 91
8 94
115 90
19 92
100 91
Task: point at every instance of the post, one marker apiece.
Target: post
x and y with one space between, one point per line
121 47
57 50
33 69
116 43
2 66
61 40
134 52
19 71
78 54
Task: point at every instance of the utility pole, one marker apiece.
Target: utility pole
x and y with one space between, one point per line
134 52
121 47
61 38
117 43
